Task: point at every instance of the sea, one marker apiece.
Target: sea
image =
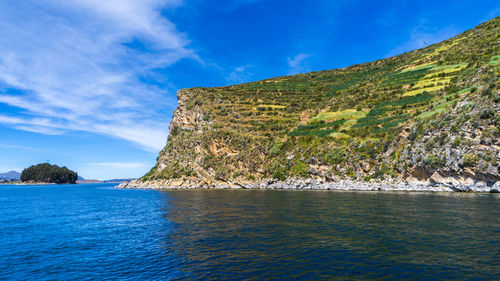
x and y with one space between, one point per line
96 232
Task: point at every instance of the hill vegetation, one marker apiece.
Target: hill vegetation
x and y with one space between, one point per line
46 173
426 112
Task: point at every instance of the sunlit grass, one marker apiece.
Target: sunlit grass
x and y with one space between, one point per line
446 47
345 114
435 81
445 104
273 106
338 135
418 67
431 113
451 66
418 91
494 61
447 69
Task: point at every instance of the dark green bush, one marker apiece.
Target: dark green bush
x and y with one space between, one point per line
278 174
300 169
433 161
486 113
334 157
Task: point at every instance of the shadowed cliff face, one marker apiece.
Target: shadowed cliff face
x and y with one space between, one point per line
430 114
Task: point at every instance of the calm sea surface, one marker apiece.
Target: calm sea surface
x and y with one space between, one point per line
93 231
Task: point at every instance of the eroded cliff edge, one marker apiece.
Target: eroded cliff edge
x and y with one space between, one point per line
424 120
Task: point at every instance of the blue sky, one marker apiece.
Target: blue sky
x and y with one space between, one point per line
91 84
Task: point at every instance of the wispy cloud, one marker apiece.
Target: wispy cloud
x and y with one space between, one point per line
298 64
25 147
122 165
239 74
88 65
421 36
494 13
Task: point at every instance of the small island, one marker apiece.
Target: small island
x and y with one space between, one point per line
48 174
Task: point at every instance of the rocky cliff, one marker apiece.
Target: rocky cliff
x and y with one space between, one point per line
423 120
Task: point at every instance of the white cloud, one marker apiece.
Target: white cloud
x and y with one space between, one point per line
81 65
297 64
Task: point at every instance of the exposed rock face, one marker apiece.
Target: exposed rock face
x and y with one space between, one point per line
189 120
427 120
440 154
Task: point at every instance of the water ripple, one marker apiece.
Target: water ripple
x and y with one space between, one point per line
89 232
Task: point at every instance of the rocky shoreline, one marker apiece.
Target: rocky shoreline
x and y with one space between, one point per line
27 183
311 184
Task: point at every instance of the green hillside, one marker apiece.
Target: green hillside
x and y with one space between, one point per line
432 109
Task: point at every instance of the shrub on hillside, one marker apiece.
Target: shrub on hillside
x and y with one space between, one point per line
469 160
433 161
334 157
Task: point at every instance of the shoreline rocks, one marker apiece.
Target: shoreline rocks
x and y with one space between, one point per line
31 183
311 184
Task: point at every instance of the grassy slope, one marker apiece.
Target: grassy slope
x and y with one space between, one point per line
339 119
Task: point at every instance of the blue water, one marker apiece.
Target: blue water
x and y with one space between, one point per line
93 231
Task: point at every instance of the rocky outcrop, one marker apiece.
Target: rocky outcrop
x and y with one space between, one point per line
429 163
427 120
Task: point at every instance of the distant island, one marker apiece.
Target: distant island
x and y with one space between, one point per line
46 173
11 175
33 176
82 180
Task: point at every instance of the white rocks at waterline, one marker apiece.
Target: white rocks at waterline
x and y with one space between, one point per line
311 184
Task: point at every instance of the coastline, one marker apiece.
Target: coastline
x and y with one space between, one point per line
310 184
34 183
26 183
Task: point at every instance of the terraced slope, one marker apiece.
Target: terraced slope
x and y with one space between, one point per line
427 114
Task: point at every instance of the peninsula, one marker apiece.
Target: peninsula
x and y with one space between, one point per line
423 120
